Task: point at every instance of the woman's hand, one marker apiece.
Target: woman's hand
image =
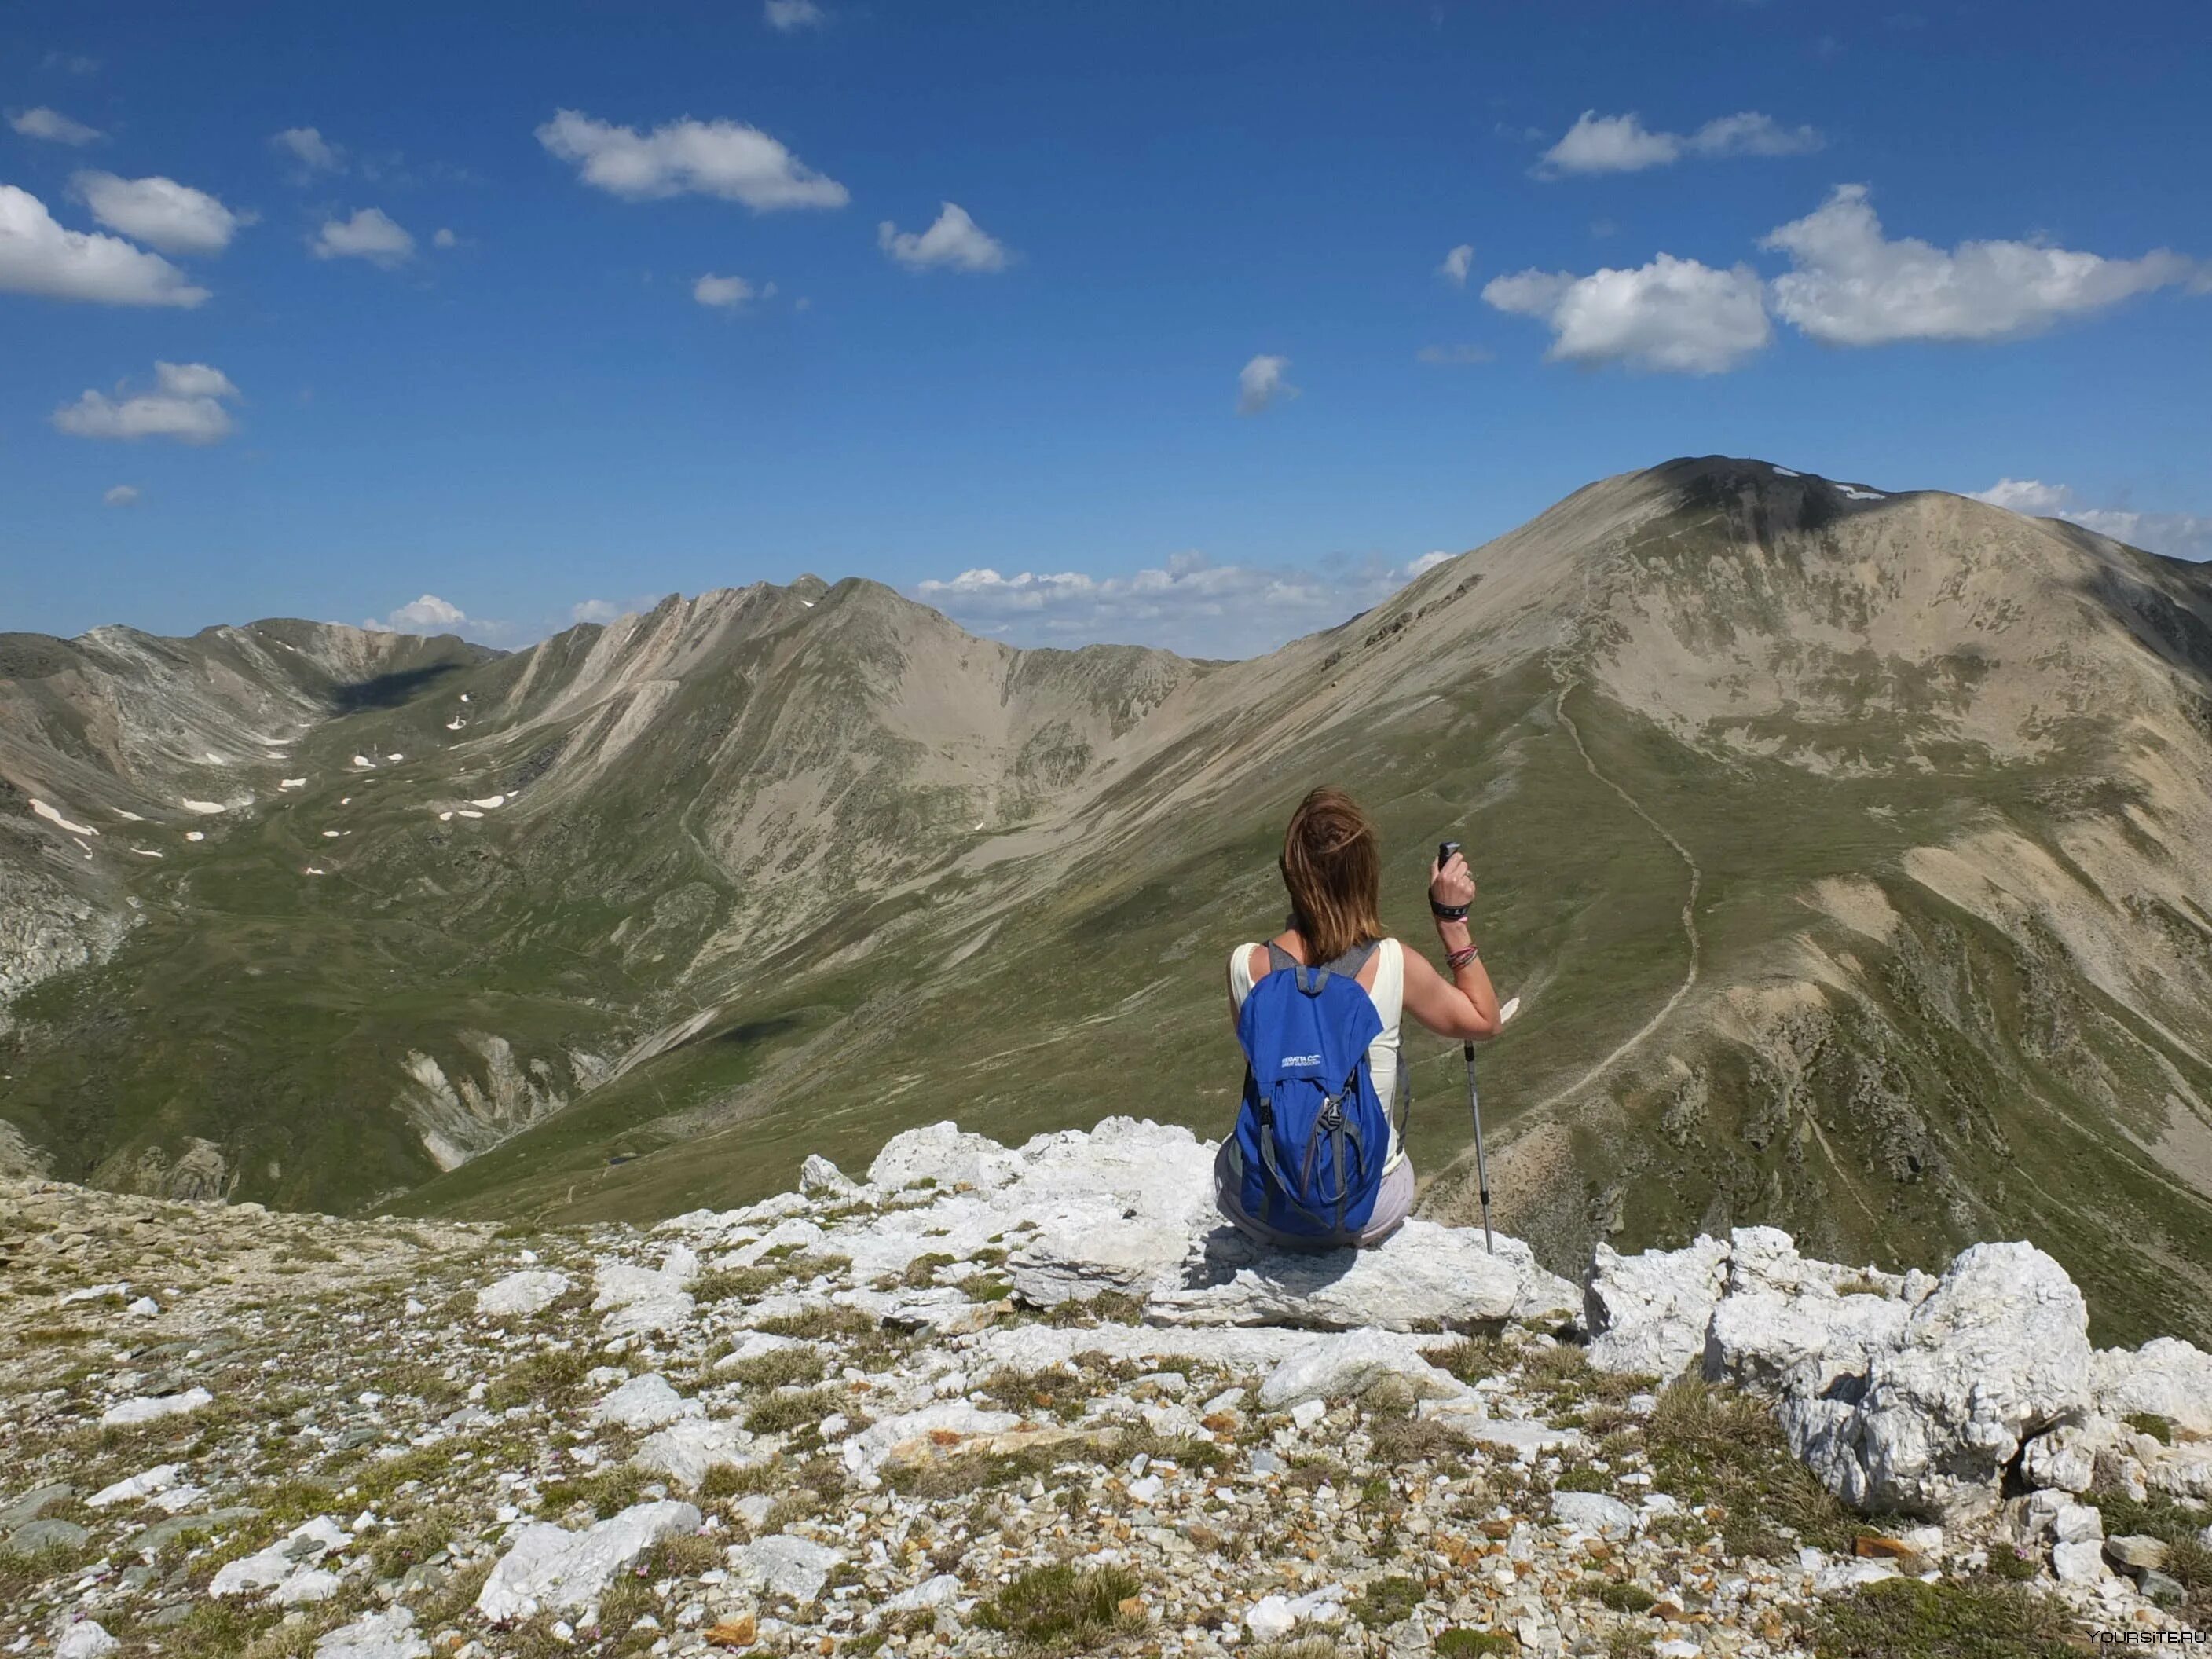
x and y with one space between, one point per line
1451 882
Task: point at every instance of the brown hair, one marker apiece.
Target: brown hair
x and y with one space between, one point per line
1333 866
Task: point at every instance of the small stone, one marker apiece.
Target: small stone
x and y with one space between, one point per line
152 1409
523 1293
2135 1553
87 1638
736 1630
2162 1590
46 1534
2079 1561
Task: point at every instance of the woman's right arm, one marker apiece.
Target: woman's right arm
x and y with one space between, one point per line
1464 1007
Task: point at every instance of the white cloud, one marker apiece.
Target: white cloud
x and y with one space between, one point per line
52 126
428 614
2029 495
1750 133
174 217
37 256
186 404
789 17
724 159
2178 535
1609 143
1851 286
726 291
444 238
1454 356
1457 263
1622 144
1261 382
1428 562
1189 604
370 234
594 610
955 239
122 495
314 152
1673 315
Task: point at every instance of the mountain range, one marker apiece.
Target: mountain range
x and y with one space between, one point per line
1843 846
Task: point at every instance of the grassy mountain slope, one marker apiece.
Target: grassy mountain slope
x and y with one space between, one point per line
781 870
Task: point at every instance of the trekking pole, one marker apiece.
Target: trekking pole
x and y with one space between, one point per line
1481 1167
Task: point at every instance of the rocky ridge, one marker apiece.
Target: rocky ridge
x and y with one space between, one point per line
996 1401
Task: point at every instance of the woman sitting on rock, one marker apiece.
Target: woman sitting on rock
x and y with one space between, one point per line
1317 1162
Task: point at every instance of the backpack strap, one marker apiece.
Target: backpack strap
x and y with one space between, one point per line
1310 980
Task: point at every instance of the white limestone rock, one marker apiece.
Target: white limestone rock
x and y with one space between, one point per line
303 1547
1998 1351
1649 1313
1341 1366
1594 1512
646 1401
136 1489
306 1587
935 1426
85 1639
943 1154
386 1635
686 1449
551 1569
820 1178
2165 1378
638 1300
1422 1277
782 1564
2080 1561
1772 1340
940 1591
530 1291
153 1408
2065 1458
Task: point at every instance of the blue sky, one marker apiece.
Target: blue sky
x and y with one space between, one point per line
1191 342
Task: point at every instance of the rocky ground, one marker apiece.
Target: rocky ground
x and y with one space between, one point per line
994 1401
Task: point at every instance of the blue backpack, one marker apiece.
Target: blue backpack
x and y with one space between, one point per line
1312 1134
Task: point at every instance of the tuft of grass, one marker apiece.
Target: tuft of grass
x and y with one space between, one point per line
2160 1517
1621 1597
734 1284
1060 1607
1981 1618
820 1323
1470 1643
552 1378
779 1414
921 1272
1387 1601
2152 1423
779 1368
605 1493
984 1287
397 1550
1106 1308
1473 1358
1713 1445
1399 1440
1055 1390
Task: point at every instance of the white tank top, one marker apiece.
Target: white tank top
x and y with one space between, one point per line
1388 996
